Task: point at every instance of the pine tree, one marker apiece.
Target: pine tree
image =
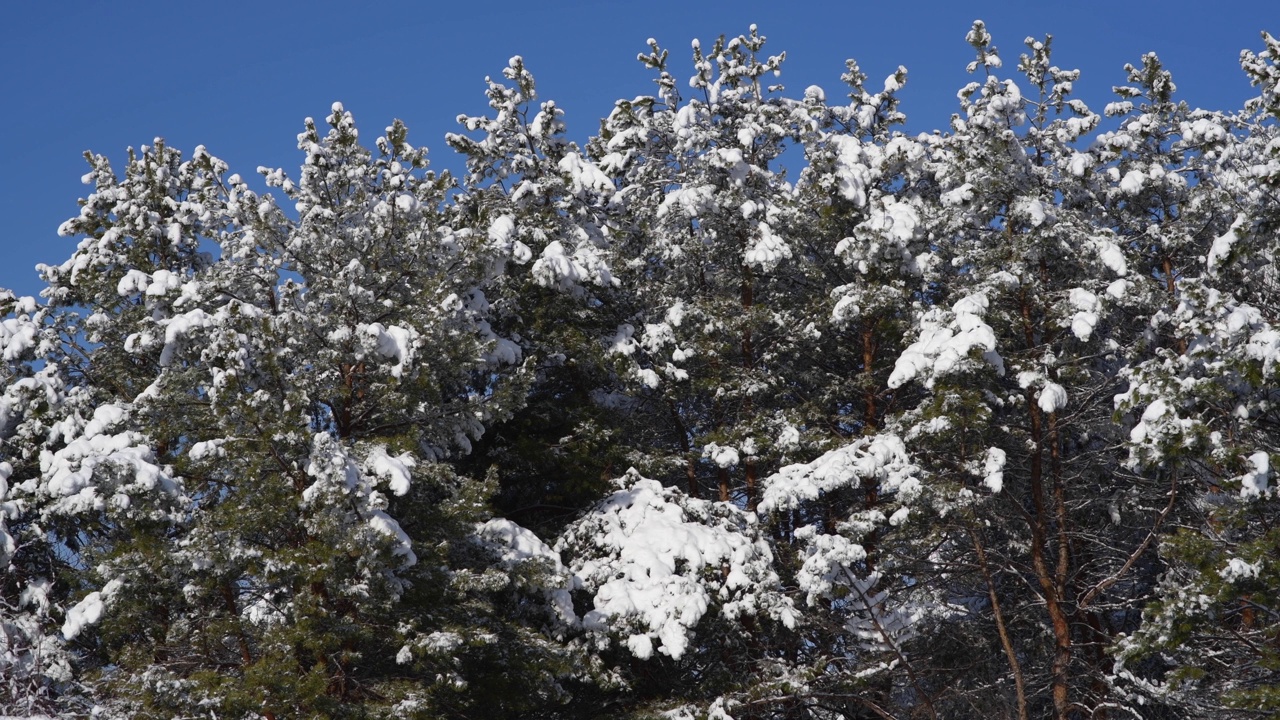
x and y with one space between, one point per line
977 422
1208 415
529 187
248 461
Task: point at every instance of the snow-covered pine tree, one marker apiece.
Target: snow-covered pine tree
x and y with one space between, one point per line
1017 353
85 477
906 436
242 471
700 214
1205 406
838 515
712 265
531 188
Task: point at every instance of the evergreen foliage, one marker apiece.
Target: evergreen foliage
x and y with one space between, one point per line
976 423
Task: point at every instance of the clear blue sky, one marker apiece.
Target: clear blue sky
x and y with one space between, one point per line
239 76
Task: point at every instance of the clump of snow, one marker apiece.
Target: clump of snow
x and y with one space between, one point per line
1118 289
1222 244
993 469
559 269
1154 418
655 561
516 546
74 474
723 456
1079 163
880 459
393 342
623 341
1253 484
17 335
768 250
1112 256
207 449
1264 347
338 482
89 610
502 351
1132 182
404 656
958 195
691 202
1053 397
1034 210
502 234
1237 570
179 326
1086 316
648 378
827 562
584 176
788 437
8 510
397 470
945 342
856 164
899 516
897 220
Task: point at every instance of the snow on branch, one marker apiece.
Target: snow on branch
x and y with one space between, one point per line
654 562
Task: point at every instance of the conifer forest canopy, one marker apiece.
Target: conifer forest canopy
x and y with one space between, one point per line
752 406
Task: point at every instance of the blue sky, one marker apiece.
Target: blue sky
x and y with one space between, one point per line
239 77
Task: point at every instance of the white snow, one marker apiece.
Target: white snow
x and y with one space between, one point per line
1053 397
722 456
656 561
993 469
1237 570
958 195
584 176
1034 210
897 220
675 313
1222 244
788 437
207 449
517 545
179 326
880 459
8 510
826 564
502 232
648 378
691 202
1079 163
1155 419
854 163
1112 256
768 250
383 523
623 342
397 470
945 342
1253 484
557 268
1086 317
339 481
71 474
394 342
1132 182
89 610
1119 288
